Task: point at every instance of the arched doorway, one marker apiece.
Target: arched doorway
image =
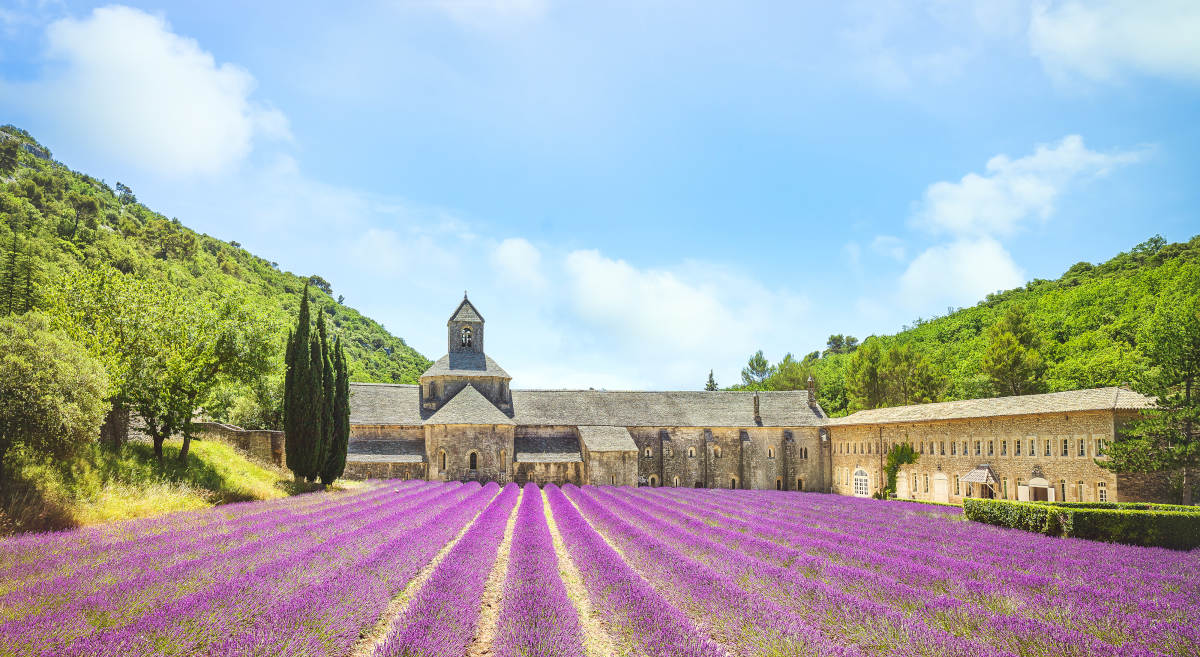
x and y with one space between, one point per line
1039 490
778 484
653 481
733 483
862 483
800 484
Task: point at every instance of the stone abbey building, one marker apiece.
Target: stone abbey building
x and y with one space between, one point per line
464 422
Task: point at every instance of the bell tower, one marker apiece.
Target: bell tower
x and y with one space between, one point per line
464 331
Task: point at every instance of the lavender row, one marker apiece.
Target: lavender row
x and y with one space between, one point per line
711 581
1086 628
346 601
537 618
140 569
173 594
39 590
638 615
440 620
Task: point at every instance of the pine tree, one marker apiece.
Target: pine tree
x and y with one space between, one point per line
9 273
299 416
1012 359
711 385
335 459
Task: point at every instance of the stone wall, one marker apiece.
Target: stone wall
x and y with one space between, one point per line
384 470
263 445
386 432
549 473
449 448
990 441
721 457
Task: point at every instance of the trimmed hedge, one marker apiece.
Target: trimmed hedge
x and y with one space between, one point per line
1151 525
929 502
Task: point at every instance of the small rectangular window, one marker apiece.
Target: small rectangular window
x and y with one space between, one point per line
1101 491
1016 448
1005 483
978 449
1065 450
953 448
991 444
1003 448
926 483
1047 447
957 486
943 448
1082 447
1032 451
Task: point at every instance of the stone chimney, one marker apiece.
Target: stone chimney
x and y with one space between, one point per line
812 391
757 414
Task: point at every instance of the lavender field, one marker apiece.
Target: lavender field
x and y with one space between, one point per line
422 568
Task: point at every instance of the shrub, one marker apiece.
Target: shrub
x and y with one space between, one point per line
1151 525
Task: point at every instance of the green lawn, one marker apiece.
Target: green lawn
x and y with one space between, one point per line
103 485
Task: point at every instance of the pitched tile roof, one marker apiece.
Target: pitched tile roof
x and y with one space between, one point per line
385 403
465 312
465 364
469 406
606 439
547 449
1095 399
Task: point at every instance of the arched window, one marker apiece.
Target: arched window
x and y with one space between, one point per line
612 480
716 452
691 452
473 461
770 452
442 459
805 453
465 336
778 484
675 482
649 452
733 483
503 458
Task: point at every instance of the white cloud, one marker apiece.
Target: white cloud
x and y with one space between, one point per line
1012 191
1107 40
959 273
123 82
890 246
519 261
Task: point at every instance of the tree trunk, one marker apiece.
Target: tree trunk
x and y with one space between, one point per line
115 429
1187 487
183 451
158 438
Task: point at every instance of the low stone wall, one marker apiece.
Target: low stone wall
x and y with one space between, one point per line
570 472
261 444
383 470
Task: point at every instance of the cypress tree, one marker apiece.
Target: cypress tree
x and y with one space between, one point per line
327 395
335 460
315 399
297 420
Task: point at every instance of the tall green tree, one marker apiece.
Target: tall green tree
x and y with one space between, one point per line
9 155
711 384
327 392
51 390
302 409
335 458
757 369
1166 439
1012 358
909 377
866 382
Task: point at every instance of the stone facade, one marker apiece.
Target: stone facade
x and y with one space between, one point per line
464 422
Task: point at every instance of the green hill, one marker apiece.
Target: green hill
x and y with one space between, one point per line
1088 321
54 220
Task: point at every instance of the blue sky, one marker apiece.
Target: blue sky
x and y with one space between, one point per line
634 193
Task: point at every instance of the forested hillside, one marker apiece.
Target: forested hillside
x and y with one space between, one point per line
1081 330
55 222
